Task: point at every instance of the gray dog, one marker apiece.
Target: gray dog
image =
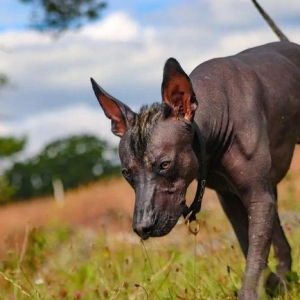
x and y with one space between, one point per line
233 123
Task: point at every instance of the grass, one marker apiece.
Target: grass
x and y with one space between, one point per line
59 263
77 257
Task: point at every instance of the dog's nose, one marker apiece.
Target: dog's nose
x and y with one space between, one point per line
143 230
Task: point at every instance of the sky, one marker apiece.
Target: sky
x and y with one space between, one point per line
50 94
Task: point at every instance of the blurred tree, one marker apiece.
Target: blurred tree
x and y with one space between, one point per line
56 16
60 15
9 146
74 160
6 191
3 80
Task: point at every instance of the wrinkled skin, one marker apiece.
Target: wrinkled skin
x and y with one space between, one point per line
249 116
160 194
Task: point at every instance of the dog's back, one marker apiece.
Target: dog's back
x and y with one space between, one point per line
285 72
255 91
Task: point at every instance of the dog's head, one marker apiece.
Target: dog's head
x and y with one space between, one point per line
156 150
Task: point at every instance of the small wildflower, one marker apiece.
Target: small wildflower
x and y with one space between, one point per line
63 293
105 293
39 281
78 295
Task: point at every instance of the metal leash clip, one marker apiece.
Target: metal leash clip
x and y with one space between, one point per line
193 226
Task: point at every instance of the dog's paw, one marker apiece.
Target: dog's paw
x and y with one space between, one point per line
277 285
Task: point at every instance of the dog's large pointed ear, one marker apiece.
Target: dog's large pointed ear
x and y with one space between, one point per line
121 115
177 91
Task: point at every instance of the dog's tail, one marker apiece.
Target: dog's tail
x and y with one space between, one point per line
275 28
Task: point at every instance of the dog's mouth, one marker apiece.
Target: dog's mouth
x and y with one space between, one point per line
163 225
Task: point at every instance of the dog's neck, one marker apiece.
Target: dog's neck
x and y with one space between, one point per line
199 148
213 121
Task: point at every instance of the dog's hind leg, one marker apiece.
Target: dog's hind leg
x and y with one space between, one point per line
238 217
282 252
281 246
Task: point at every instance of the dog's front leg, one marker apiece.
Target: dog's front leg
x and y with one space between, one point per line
260 204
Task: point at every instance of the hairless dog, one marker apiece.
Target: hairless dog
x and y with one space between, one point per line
233 124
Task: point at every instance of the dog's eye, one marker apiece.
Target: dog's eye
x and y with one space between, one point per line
126 173
165 165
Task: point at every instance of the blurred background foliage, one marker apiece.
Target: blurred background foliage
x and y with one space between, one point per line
57 16
74 160
10 146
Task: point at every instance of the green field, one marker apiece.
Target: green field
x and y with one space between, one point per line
58 263
62 261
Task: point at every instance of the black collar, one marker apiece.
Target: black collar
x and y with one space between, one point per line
189 213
